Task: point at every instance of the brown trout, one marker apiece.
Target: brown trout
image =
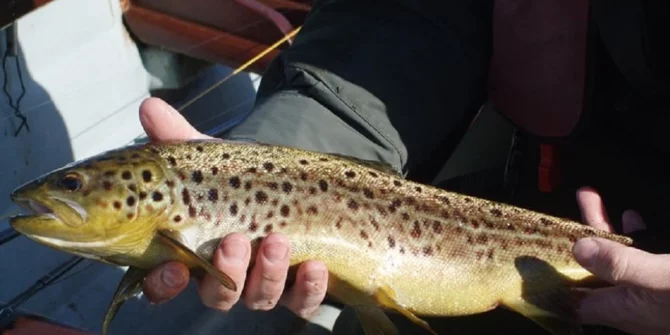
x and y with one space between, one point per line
390 244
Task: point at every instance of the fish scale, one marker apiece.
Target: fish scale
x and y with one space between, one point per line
387 242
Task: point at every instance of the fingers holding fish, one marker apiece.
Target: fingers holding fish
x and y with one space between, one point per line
166 282
309 289
161 122
593 209
267 279
232 256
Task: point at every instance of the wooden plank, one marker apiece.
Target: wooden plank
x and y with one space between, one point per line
195 40
13 10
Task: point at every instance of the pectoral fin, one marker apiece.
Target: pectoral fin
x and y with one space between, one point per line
189 257
554 322
386 297
130 286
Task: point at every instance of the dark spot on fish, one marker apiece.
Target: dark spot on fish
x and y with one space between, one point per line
186 197
488 224
364 235
146 176
132 188
268 228
323 185
395 204
490 254
405 216
143 195
323 159
268 166
368 193
247 201
547 222
225 155
338 224
213 195
189 157
126 175
482 238
215 170
170 183
284 211
510 227
496 212
397 183
530 231
286 187
427 251
467 199
270 214
197 176
303 162
373 174
153 150
275 202
172 160
117 204
445 214
192 211
177 218
418 189
253 226
130 216
110 173
130 201
416 230
350 174
261 197
157 196
107 185
199 148
474 223
445 200
572 238
272 185
437 227
312 210
234 182
402 250
391 241
283 224
312 190
283 170
233 209
252 170
303 176
353 205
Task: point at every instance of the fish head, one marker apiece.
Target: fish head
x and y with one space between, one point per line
105 205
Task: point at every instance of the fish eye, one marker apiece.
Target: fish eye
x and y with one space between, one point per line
71 182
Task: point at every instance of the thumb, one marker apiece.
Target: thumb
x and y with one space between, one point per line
620 264
161 122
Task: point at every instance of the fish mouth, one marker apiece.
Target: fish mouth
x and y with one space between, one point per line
35 208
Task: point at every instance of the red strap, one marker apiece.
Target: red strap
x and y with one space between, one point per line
548 170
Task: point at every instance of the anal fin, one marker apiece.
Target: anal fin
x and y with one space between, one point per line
374 321
130 286
546 297
386 297
189 257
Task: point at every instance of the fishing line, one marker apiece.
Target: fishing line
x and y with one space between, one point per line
25 111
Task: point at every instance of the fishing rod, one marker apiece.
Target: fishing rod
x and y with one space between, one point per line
7 311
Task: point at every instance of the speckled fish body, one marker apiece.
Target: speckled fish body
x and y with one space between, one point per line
389 242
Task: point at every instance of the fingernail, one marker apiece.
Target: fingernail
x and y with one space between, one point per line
234 251
275 252
314 276
585 252
172 278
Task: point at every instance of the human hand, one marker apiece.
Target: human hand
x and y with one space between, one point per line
639 301
265 284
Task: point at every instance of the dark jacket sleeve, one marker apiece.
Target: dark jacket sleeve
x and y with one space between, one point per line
379 80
